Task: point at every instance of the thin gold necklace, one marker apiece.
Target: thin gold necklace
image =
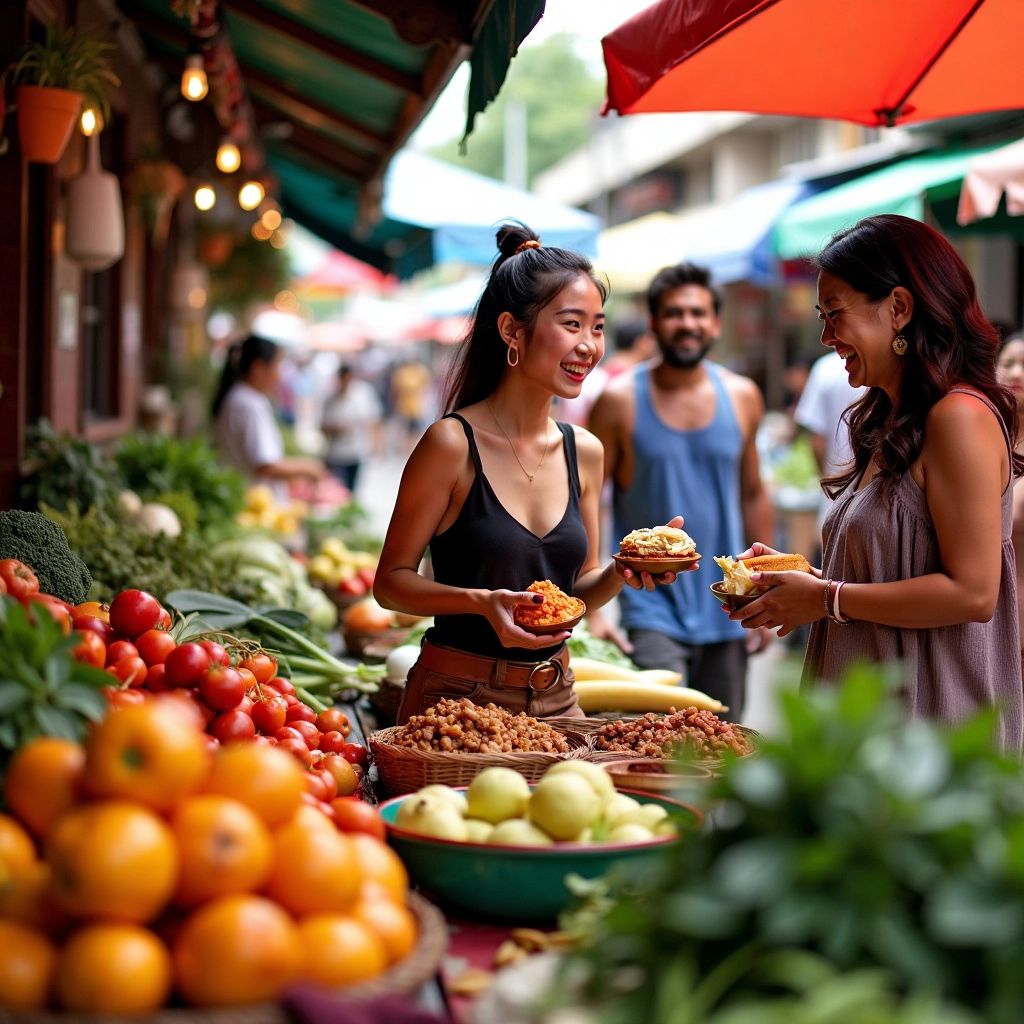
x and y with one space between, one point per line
547 444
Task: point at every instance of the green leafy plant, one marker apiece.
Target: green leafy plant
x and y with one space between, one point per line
857 840
64 469
43 690
158 467
69 59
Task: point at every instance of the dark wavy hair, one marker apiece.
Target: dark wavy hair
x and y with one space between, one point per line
950 341
669 278
521 284
241 356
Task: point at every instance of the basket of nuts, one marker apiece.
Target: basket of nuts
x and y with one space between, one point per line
694 734
455 739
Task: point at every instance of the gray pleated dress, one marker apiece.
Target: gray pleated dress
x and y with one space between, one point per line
871 536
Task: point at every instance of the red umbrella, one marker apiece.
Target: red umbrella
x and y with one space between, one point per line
875 62
340 274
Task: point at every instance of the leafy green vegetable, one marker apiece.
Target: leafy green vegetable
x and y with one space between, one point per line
41 543
43 690
856 842
583 644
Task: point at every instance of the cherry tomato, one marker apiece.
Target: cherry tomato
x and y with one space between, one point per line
333 720
156 679
91 650
118 697
332 742
93 623
265 690
217 652
164 621
132 612
233 725
287 732
308 731
154 645
261 665
248 677
356 753
269 714
185 664
298 749
221 687
3 587
320 782
289 699
300 712
21 581
345 775
121 649
131 670
282 685
245 705
54 607
355 816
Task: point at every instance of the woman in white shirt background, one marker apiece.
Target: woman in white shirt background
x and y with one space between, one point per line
245 427
351 423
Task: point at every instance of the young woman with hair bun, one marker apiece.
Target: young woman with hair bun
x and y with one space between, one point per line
503 495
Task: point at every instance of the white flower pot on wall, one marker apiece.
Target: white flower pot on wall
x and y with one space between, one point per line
95 215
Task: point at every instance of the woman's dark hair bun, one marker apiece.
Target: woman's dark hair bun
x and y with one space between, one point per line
512 235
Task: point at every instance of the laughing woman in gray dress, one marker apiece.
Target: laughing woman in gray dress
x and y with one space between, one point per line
918 564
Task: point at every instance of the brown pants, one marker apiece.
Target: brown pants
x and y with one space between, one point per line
425 686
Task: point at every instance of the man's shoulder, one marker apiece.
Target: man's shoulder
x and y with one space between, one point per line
739 384
618 391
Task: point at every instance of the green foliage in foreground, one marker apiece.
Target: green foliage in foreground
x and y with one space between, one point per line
867 865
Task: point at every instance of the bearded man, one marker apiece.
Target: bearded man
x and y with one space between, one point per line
679 435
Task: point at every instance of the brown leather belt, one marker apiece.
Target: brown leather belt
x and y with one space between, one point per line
536 675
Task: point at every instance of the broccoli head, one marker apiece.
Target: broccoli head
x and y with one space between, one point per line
41 543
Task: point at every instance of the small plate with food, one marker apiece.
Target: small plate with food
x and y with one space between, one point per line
558 613
657 550
738 589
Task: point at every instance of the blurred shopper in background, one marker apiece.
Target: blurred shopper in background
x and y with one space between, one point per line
680 435
504 496
245 426
918 566
351 423
411 384
1010 370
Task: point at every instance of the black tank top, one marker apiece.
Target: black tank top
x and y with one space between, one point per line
487 548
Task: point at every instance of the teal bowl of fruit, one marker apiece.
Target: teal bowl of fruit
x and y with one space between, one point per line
523 883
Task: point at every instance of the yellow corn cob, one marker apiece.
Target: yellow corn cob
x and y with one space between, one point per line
661 676
591 668
622 695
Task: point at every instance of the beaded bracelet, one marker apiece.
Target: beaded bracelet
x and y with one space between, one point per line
828 589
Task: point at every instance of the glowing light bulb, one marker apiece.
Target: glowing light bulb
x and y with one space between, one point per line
194 85
229 159
250 195
90 122
271 219
205 197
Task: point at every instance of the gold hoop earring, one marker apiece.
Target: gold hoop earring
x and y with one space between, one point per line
899 345
508 355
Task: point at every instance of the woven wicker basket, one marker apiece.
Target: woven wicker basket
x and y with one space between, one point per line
403 978
711 763
404 769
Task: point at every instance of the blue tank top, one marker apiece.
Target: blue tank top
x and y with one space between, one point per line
695 474
488 548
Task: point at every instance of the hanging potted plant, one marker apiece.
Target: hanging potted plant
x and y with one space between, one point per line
53 77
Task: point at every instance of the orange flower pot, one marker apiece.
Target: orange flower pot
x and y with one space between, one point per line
46 119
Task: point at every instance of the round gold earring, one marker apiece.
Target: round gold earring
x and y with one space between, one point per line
512 348
899 345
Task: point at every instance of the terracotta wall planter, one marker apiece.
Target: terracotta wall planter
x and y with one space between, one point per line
46 119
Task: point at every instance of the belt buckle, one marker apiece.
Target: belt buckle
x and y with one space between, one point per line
555 670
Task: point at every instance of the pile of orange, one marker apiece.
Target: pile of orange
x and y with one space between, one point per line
143 869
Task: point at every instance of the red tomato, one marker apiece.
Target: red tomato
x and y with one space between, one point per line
121 649
250 679
332 742
245 705
269 714
261 665
353 815
217 652
320 782
91 650
130 670
289 699
264 690
221 687
164 621
154 645
185 664
233 725
333 720
282 685
94 624
3 587
298 749
55 607
208 714
118 697
20 580
132 612
156 679
308 731
356 753
300 712
286 732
